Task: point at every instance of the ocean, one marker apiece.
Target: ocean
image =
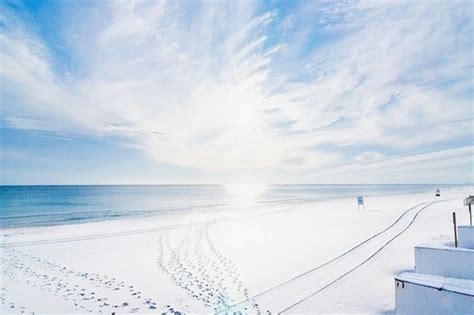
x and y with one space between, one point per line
52 205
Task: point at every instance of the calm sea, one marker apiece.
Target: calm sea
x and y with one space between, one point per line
47 205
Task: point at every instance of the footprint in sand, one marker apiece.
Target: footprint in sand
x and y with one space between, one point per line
53 278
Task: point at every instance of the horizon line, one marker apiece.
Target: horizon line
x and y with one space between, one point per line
223 184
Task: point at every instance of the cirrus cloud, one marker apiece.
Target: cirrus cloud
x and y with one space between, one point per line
228 86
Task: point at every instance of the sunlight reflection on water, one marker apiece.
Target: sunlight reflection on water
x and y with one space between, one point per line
245 193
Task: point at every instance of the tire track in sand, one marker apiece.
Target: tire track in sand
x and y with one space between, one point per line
310 277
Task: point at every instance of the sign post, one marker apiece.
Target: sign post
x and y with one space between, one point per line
455 230
360 201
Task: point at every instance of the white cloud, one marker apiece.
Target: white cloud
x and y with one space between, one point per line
442 167
368 155
202 86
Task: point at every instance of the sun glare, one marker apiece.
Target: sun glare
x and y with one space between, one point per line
245 193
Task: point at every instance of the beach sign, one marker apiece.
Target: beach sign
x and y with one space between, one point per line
468 202
360 201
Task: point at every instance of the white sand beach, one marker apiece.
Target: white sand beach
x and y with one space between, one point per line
292 258
211 157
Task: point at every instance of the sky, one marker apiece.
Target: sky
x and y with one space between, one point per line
174 92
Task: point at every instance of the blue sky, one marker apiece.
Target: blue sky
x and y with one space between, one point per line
215 92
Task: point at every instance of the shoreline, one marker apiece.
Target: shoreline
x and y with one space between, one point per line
91 216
